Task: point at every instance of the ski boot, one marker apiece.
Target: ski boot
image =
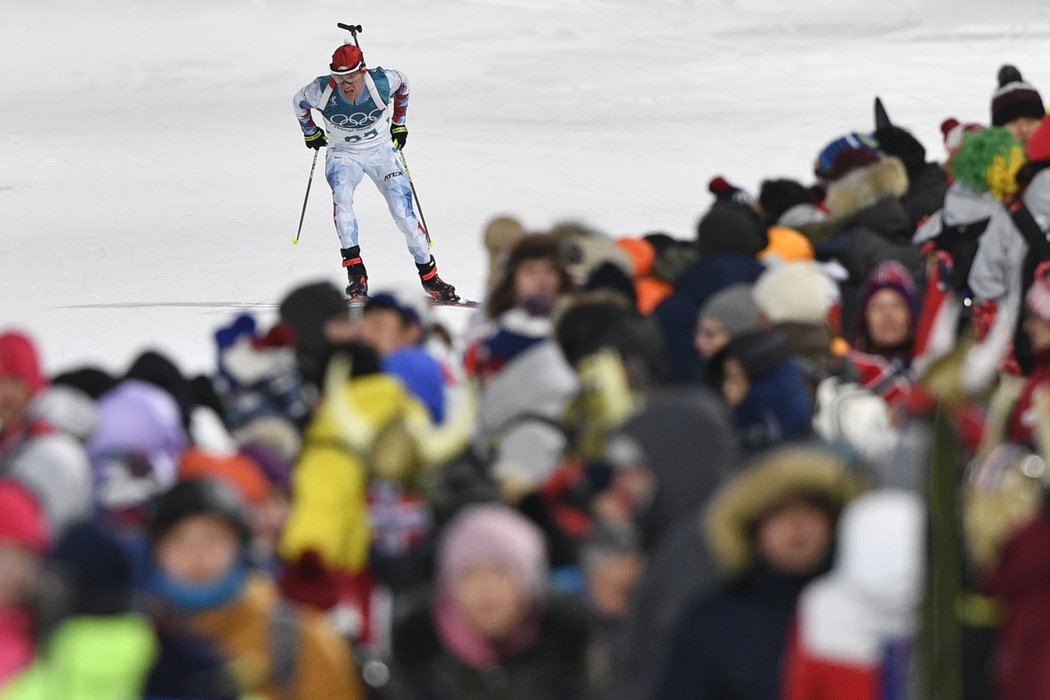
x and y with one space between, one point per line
357 289
437 288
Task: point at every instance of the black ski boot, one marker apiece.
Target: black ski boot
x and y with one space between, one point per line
436 287
355 273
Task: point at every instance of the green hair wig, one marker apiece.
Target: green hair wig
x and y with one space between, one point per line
988 161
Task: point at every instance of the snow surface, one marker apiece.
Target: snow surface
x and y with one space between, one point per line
152 172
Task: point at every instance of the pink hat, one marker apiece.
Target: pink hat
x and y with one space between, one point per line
24 522
493 535
20 360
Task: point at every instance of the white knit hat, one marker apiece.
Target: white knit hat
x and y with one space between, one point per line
794 291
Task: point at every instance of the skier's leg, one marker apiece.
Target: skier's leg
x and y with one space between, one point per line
344 173
386 171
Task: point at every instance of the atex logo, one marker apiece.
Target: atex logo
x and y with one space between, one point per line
390 175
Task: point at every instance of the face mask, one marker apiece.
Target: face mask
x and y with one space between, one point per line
195 597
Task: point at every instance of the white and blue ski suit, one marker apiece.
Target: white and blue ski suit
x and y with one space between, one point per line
359 144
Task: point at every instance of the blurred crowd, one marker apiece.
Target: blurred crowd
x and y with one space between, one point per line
800 454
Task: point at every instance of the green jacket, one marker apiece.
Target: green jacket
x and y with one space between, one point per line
90 658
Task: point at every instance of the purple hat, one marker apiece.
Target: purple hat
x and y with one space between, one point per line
493 535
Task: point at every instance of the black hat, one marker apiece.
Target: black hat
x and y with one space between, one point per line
1015 98
199 497
731 228
895 141
777 196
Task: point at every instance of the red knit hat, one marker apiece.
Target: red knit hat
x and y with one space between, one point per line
347 59
1038 147
20 360
24 522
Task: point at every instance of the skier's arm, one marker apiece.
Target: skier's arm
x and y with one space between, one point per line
306 99
399 95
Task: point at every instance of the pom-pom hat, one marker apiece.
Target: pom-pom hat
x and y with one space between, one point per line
347 59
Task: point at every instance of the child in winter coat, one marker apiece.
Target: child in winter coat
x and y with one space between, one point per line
199 535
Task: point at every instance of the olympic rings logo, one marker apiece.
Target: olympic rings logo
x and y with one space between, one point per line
355 120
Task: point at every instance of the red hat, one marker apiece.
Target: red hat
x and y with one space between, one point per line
850 159
1038 147
954 130
347 59
20 360
24 522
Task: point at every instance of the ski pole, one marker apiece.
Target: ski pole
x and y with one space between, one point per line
302 215
354 30
419 207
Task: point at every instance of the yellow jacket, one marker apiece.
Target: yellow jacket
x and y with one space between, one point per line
329 485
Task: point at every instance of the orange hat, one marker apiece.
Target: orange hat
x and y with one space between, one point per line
238 470
641 252
787 244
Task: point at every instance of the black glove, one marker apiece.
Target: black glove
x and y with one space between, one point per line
316 139
399 133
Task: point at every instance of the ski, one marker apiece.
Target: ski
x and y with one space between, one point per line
461 303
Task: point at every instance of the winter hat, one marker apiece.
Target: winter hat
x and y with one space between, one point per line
890 274
91 380
68 409
347 59
24 522
276 469
238 470
1014 98
734 308
785 245
826 157
954 131
494 535
730 228
421 375
307 308
774 480
410 303
608 276
988 161
796 292
500 235
850 159
20 360
159 370
1037 299
201 496
138 420
642 253
98 568
895 141
777 196
725 192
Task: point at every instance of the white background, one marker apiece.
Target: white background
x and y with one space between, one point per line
152 171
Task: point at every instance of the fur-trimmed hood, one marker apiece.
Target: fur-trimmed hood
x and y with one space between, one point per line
866 186
776 478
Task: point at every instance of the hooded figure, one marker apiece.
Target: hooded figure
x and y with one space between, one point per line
492 630
760 379
855 624
771 529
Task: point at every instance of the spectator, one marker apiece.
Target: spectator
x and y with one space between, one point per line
492 630
32 451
